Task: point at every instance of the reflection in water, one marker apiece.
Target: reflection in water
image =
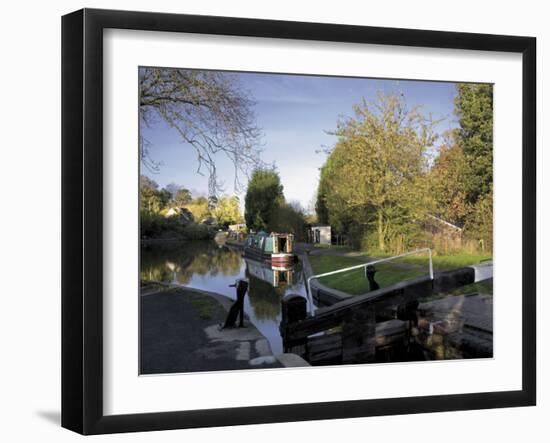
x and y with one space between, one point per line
277 276
264 298
211 267
178 263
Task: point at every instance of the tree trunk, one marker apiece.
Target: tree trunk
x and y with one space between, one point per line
381 243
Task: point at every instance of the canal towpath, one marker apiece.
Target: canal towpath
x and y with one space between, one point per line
180 332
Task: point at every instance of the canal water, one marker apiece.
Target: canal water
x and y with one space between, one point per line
208 266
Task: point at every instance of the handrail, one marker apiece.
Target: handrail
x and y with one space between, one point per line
373 262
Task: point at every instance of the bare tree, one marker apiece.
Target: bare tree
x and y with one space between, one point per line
210 112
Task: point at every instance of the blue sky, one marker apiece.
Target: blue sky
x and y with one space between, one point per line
294 112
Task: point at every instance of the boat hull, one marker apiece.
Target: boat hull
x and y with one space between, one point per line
276 259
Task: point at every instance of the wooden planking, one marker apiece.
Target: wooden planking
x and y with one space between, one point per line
325 349
390 333
448 280
417 287
329 348
358 335
357 317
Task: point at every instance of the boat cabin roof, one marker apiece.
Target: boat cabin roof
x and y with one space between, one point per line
273 234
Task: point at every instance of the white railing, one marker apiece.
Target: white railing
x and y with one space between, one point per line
364 265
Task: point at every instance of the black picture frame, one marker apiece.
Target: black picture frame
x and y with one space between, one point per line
82 215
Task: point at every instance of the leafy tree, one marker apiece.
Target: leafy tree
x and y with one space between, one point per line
152 202
199 209
263 195
210 112
479 224
150 199
212 201
227 211
447 178
173 188
288 217
165 197
374 181
322 190
182 197
474 109
377 184
147 183
195 231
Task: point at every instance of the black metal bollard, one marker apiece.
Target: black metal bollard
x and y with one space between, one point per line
294 308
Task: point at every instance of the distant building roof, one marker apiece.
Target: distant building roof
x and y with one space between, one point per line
446 223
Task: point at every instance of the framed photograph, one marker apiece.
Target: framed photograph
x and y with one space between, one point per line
268 221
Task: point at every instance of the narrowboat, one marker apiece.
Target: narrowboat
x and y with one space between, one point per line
275 248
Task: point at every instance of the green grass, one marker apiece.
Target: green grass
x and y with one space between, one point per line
440 262
355 283
206 306
327 263
352 282
484 287
446 262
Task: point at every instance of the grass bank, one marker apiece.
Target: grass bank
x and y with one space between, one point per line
446 262
206 307
354 282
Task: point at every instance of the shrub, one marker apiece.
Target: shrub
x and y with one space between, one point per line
198 232
479 224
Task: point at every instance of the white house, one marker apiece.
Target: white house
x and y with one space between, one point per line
320 235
